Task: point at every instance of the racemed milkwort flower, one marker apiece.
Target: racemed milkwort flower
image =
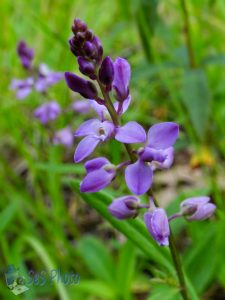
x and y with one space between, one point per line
95 132
64 137
100 173
157 151
22 87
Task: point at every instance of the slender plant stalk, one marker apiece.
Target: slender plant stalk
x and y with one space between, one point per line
172 246
187 30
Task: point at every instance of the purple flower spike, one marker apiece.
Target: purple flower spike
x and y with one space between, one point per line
64 137
158 226
22 87
47 112
106 71
95 132
138 177
25 54
197 208
46 78
77 84
121 78
124 207
100 173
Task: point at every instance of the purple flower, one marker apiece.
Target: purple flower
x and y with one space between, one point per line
22 87
158 226
106 71
124 207
47 112
100 173
77 84
64 137
121 78
157 151
47 78
197 208
95 132
25 54
81 106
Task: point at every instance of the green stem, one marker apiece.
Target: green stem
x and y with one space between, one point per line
187 31
172 246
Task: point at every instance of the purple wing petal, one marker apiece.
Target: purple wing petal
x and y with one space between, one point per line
95 181
23 92
162 135
88 127
85 148
95 164
101 110
119 209
195 201
131 133
138 177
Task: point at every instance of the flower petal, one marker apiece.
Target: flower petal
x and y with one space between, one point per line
88 127
95 164
95 181
205 211
119 209
138 177
131 133
85 148
162 135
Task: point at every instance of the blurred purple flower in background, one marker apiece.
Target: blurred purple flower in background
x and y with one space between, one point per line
158 225
47 112
100 173
95 132
197 208
25 54
81 106
47 78
22 87
64 137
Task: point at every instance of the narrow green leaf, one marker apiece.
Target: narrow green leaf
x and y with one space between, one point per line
196 96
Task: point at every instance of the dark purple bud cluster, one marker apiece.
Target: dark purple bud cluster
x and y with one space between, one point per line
154 152
25 54
87 48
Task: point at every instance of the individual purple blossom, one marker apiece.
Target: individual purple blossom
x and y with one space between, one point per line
121 78
100 173
47 112
197 208
64 137
77 84
158 225
47 78
157 150
25 54
22 87
124 207
95 132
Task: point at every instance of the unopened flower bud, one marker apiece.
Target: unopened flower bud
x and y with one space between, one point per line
106 71
78 26
86 67
77 84
197 208
124 207
158 226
